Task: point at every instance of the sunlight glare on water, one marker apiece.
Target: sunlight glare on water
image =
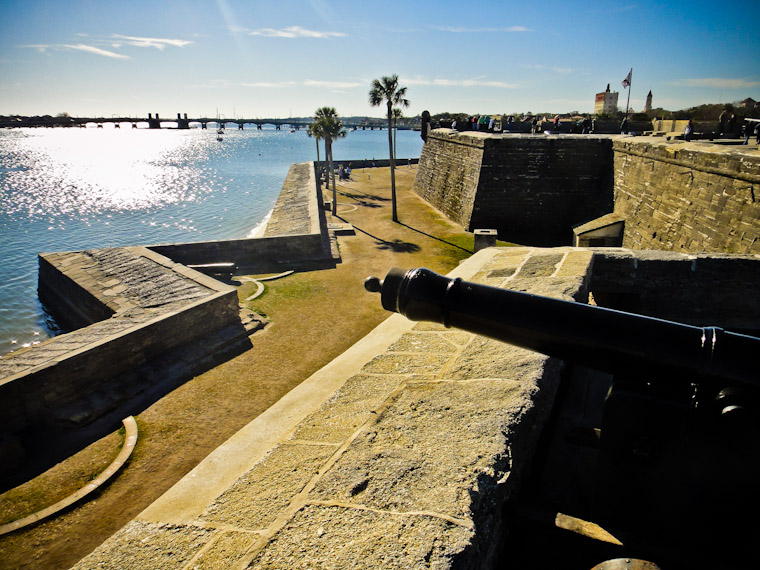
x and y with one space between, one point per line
82 172
69 189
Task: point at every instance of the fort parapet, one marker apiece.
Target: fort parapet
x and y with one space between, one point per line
687 197
535 189
532 189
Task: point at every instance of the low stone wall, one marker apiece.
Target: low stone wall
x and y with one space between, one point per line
531 188
155 306
689 197
369 162
296 232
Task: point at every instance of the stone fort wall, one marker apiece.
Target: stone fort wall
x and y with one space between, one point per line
687 197
532 189
674 196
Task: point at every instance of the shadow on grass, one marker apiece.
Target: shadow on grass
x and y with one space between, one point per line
396 245
435 238
361 197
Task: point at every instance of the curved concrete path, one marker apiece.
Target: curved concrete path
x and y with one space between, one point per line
130 440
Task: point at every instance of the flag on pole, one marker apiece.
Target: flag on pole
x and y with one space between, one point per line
627 80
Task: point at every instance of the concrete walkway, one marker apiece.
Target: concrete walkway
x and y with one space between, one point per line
398 454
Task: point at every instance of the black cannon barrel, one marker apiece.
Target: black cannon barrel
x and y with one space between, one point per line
604 339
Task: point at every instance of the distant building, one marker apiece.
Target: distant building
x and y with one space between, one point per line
748 103
648 104
606 102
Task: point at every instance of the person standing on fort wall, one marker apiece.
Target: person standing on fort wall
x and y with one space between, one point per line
534 125
688 131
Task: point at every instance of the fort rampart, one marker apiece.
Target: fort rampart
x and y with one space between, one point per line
532 189
671 195
688 197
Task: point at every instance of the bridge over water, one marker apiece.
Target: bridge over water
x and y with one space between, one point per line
181 122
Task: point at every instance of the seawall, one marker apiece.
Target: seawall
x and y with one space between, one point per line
141 321
295 233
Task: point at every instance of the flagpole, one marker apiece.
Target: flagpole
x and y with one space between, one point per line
628 103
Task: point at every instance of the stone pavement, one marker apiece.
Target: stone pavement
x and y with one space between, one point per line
398 454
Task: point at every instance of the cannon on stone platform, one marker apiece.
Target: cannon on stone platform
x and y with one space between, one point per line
678 448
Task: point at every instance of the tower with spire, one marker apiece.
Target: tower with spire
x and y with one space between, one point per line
648 104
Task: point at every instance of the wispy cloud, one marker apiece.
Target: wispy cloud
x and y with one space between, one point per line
462 30
718 82
474 82
158 43
105 46
44 48
95 50
292 32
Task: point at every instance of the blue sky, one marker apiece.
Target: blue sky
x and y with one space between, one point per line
287 58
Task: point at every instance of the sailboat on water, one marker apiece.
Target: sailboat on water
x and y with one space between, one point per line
219 127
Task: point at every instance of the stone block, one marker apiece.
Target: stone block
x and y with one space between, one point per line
259 496
333 537
147 545
449 432
350 407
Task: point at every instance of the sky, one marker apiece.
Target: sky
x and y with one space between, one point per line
283 58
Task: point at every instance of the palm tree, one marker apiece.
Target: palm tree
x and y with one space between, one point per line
387 89
330 127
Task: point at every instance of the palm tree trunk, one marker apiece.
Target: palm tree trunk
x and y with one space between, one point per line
395 132
328 150
393 164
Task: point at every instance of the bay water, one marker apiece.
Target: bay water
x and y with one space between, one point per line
66 189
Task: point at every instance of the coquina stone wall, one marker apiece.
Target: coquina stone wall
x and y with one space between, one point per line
532 189
672 195
687 197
